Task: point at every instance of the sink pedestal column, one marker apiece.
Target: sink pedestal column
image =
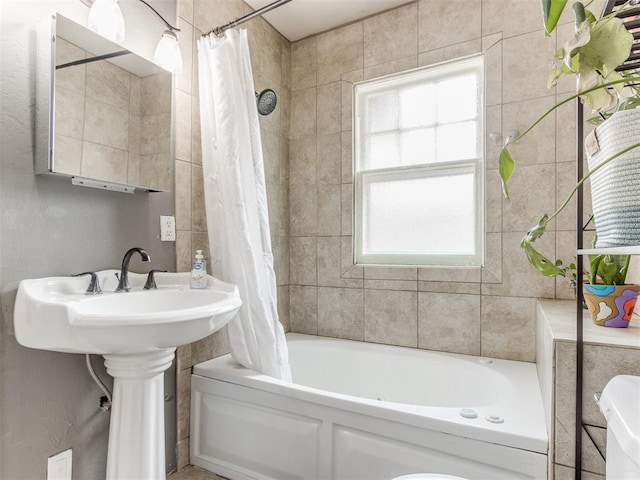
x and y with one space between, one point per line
136 431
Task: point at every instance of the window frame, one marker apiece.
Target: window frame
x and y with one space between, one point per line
476 165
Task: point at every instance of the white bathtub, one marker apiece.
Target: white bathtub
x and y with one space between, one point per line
366 411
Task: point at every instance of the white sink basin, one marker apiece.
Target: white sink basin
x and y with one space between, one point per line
54 313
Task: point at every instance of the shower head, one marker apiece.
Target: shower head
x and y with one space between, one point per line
266 101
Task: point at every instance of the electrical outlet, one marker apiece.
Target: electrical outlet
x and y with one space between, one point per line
167 228
59 466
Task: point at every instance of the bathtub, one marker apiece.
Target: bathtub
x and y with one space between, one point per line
366 411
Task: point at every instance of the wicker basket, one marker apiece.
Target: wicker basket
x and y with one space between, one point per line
615 188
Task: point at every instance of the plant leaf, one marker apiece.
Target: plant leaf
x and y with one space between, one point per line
545 266
551 11
506 166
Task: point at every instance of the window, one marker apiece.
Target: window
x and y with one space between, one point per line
418 147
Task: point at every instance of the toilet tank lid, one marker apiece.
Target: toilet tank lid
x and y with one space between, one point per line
620 405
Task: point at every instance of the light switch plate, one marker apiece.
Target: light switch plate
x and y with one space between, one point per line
167 228
59 466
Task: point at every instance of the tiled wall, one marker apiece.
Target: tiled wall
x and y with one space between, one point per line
307 148
110 124
488 311
271 64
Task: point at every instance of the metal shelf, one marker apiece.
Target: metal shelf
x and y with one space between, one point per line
632 250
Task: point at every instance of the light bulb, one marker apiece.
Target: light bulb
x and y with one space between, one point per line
106 19
168 54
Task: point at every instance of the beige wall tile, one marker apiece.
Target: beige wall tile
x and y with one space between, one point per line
185 10
68 155
303 312
283 307
341 312
69 113
391 35
183 195
449 322
206 18
303 207
329 159
391 317
286 64
406 285
339 51
347 104
303 64
449 287
511 17
451 52
567 473
108 84
302 261
183 401
526 205
265 45
526 80
184 81
196 135
329 210
439 23
492 271
209 347
183 125
106 124
538 146
183 251
302 160
349 270
391 273
72 78
493 202
330 272
492 71
303 113
347 157
449 274
198 213
391 67
183 357
108 164
519 277
494 137
507 328
284 104
329 108
347 208
182 454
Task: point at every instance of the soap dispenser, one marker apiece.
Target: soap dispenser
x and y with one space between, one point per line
199 271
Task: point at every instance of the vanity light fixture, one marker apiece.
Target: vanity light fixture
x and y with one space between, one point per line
106 19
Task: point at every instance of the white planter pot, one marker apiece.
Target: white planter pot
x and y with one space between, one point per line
615 188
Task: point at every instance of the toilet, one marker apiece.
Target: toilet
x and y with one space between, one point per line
428 476
620 405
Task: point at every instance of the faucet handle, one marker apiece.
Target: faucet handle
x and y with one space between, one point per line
94 284
151 281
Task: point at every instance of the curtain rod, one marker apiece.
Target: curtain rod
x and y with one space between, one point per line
246 18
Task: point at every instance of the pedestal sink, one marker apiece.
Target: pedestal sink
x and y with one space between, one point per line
137 333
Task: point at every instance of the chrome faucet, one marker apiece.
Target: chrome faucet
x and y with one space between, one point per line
123 283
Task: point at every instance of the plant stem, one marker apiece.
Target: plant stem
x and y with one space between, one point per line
591 172
573 97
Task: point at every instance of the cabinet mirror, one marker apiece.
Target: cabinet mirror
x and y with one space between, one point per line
103 113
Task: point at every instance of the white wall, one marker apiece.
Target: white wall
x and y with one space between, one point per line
48 402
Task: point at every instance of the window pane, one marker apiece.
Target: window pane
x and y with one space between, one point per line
381 112
458 99
418 146
429 215
418 106
457 141
383 151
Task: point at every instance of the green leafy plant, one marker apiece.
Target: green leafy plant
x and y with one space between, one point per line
592 55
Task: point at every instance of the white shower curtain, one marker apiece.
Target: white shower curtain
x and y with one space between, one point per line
236 202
